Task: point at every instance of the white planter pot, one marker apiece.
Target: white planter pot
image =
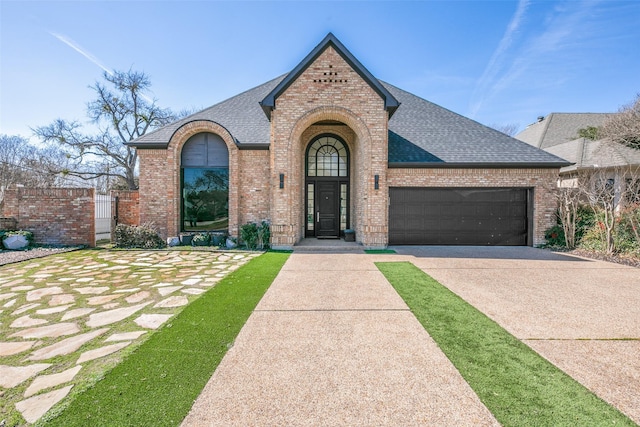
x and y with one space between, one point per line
15 242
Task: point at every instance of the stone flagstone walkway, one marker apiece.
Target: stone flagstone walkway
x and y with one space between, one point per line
66 319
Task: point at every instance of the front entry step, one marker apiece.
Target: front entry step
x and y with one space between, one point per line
311 244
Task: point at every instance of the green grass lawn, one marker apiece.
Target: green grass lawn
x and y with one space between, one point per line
519 387
158 383
379 251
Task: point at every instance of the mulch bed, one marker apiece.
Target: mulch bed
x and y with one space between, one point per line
630 260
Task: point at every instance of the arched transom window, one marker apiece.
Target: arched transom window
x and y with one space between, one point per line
205 183
327 156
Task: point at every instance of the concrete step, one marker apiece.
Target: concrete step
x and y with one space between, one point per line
311 245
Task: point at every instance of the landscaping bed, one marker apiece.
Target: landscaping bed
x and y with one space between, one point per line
624 259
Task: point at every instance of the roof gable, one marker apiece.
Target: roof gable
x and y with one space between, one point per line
390 102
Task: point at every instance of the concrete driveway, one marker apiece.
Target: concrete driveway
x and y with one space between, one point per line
332 343
580 314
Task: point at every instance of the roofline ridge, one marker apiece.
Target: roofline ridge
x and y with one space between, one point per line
582 151
547 123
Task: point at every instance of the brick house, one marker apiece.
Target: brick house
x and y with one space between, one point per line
328 148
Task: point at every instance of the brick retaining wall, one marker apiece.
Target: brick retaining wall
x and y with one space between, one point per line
55 216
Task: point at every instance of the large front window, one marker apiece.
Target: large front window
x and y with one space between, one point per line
205 183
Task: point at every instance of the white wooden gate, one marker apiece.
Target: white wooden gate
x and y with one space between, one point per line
103 216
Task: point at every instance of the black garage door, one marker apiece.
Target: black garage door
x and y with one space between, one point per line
458 216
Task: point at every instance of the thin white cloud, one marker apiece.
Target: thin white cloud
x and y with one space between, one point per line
549 54
496 63
73 45
555 48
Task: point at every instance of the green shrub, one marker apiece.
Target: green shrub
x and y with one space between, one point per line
264 235
627 231
593 239
249 235
144 236
585 220
555 236
624 236
256 236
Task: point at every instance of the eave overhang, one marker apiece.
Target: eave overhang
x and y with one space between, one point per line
476 165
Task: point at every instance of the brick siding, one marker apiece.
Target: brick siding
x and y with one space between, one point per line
127 207
329 90
8 224
55 216
253 190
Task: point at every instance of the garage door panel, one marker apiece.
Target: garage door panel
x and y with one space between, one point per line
415 223
518 210
414 209
431 209
458 216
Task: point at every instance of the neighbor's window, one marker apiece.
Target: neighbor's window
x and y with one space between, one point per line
205 183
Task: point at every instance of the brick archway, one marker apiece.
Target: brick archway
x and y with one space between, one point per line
356 135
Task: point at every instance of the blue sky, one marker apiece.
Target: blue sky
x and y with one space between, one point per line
498 62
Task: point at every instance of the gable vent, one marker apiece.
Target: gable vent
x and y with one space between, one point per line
330 77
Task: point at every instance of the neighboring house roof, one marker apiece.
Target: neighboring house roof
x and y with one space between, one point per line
269 102
588 154
558 128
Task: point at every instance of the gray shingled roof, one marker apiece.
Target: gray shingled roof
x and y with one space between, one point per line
558 128
585 153
420 133
241 115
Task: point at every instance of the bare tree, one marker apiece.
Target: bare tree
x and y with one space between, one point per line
121 112
24 164
568 204
624 127
630 200
609 192
509 129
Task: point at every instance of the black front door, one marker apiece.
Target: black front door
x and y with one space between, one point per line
328 209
